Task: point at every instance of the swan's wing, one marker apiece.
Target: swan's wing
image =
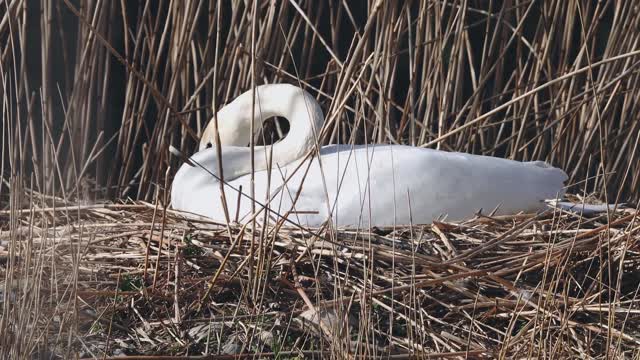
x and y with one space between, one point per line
393 184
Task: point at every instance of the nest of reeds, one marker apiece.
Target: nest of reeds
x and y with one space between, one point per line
132 278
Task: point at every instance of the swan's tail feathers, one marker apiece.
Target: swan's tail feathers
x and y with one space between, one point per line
562 178
584 209
556 179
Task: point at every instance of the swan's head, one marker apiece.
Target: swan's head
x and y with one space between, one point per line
233 125
291 102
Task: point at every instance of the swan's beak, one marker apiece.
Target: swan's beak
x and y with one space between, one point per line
179 154
209 135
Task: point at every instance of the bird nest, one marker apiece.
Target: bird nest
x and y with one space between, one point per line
127 279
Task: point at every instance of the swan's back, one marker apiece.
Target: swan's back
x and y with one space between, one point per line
393 184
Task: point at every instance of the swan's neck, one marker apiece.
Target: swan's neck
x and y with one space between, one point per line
283 100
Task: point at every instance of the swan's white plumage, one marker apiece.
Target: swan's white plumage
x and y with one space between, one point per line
363 185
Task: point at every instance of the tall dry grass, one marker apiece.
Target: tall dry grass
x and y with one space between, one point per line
94 92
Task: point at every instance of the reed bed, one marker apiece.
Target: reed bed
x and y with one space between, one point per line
94 263
125 279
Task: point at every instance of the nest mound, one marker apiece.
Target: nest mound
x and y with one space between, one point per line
133 279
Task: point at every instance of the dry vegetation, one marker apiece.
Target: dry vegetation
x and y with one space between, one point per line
92 263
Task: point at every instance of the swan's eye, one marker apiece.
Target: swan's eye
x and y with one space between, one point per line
209 145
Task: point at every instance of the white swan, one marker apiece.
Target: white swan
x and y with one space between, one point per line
356 186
